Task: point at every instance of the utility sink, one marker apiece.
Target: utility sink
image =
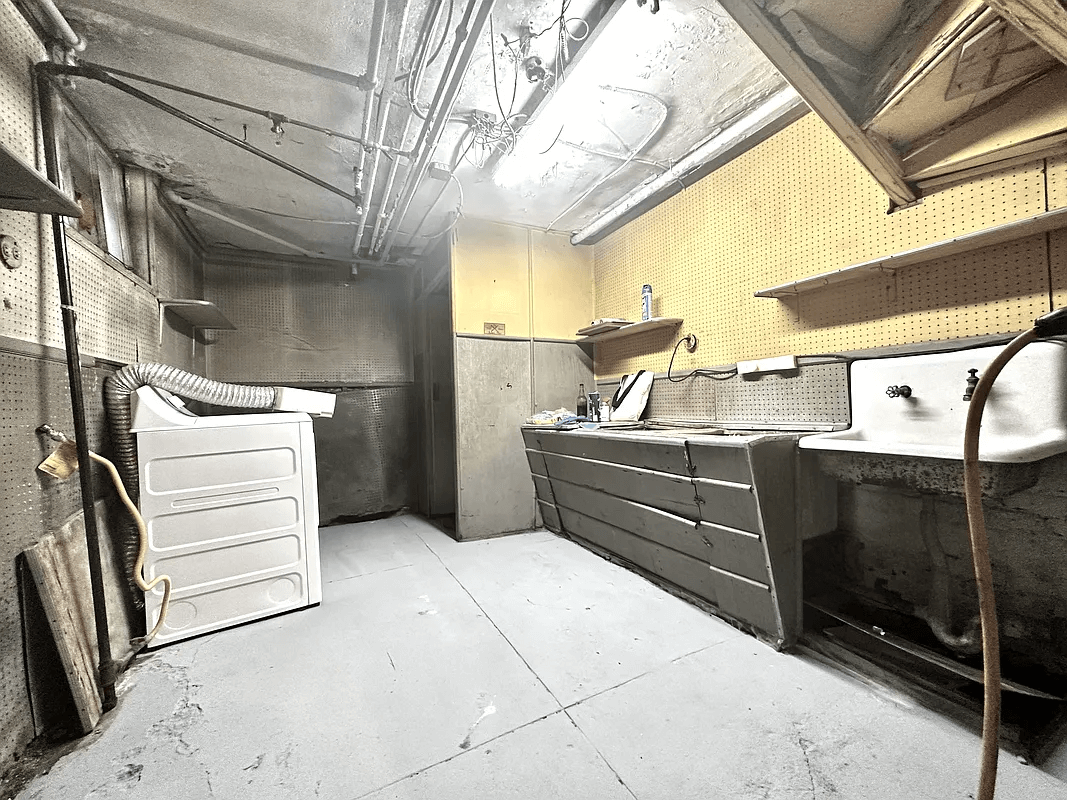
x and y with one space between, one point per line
908 416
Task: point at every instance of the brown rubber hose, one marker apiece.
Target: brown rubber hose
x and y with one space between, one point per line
983 570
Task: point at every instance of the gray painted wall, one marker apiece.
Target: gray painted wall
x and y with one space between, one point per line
499 383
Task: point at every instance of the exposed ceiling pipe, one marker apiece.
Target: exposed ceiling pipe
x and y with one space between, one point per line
273 116
385 104
184 203
149 20
385 209
468 35
60 26
98 74
377 36
782 109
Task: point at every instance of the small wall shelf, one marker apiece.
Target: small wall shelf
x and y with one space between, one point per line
198 314
22 188
633 328
1040 223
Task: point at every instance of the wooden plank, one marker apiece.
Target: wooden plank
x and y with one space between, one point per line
633 328
537 462
550 516
59 564
733 550
1028 118
543 488
719 461
530 438
774 476
883 165
656 489
729 504
840 58
1009 231
916 47
1044 21
743 600
70 615
619 449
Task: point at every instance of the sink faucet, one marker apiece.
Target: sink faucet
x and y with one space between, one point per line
972 381
899 391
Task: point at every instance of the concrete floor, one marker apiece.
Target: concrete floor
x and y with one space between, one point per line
522 667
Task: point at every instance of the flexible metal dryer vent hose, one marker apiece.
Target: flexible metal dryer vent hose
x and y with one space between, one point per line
117 391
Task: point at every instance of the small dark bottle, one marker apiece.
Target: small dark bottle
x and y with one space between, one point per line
582 407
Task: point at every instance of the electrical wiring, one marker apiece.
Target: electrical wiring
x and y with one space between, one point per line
714 374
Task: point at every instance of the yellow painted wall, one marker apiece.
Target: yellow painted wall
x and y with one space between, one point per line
799 204
536 283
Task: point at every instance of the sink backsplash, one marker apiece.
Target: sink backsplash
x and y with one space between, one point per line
816 393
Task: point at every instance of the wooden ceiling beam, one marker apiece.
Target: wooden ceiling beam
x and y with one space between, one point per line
810 81
1044 21
918 44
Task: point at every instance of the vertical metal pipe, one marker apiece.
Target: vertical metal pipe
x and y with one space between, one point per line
377 35
441 110
384 105
47 99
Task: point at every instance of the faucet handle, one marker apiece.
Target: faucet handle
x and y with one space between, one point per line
899 391
972 381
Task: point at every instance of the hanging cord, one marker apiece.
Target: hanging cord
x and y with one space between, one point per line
61 465
142 532
983 570
1052 324
714 374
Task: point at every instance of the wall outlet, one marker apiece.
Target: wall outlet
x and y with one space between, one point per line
776 364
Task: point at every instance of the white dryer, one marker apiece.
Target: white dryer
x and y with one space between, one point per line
231 507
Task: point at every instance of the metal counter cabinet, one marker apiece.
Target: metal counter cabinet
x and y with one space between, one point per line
712 514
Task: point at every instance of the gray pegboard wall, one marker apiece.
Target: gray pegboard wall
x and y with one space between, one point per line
817 393
365 453
309 325
34 392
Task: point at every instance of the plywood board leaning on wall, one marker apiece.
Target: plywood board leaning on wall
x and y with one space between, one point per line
797 205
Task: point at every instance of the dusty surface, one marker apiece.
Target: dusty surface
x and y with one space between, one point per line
516 667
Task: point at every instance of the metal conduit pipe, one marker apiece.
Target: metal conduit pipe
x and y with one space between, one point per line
377 36
273 116
96 74
468 35
630 156
444 101
782 108
107 667
381 223
419 55
385 103
60 25
181 201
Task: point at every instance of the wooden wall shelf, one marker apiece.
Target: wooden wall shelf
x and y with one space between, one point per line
633 328
1040 223
22 188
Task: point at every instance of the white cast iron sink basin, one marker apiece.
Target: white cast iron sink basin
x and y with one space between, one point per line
1025 417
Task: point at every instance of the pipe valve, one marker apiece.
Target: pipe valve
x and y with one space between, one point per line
899 391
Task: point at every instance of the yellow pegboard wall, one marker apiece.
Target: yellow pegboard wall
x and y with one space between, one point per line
796 205
1057 260
1056 174
491 277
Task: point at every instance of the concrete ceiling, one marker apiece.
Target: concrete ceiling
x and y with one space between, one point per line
645 91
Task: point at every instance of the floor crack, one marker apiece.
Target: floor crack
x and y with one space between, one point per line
804 744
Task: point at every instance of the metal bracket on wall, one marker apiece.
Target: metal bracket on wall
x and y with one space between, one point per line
198 314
